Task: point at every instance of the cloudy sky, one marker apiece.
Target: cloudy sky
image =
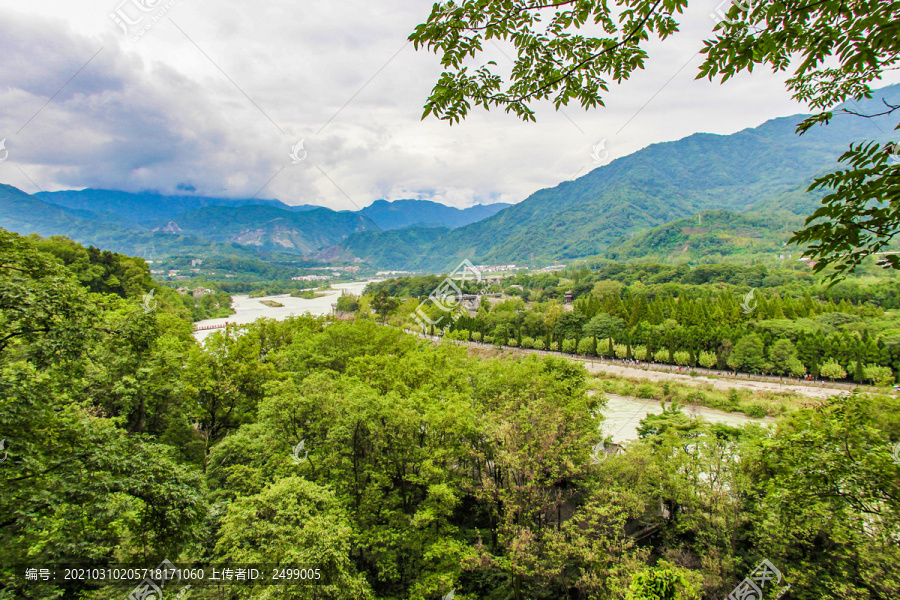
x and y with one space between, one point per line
211 96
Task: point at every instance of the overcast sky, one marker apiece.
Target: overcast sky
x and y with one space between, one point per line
213 95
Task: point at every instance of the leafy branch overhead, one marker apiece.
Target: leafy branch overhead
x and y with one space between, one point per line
836 49
553 61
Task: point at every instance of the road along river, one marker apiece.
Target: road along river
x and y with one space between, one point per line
249 309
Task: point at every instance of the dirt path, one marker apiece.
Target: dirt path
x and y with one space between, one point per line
721 382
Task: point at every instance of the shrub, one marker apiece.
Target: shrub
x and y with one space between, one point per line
538 344
586 346
488 339
707 359
661 355
554 346
644 391
527 342
569 345
832 370
513 342
639 352
681 357
797 368
476 336
603 348
878 375
621 350
757 411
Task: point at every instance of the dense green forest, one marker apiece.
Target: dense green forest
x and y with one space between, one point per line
725 316
398 468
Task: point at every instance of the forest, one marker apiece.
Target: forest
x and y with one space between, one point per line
722 316
395 467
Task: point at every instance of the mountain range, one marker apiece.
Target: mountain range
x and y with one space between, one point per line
151 224
749 187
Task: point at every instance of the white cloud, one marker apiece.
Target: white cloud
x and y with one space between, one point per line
216 97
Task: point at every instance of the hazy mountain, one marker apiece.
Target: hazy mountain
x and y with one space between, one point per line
269 228
148 206
424 213
26 214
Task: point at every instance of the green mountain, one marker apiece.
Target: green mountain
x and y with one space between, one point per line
399 214
722 235
749 170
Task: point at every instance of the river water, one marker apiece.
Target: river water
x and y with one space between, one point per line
249 309
622 414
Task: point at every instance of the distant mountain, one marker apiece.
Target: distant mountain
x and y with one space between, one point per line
396 249
656 185
399 214
148 207
26 214
145 210
269 228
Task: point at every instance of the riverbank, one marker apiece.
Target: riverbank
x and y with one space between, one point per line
248 310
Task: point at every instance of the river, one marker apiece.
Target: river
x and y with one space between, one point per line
624 413
249 309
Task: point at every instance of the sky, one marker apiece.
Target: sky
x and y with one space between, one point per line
212 98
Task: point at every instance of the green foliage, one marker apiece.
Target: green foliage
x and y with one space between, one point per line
879 375
832 370
748 354
860 215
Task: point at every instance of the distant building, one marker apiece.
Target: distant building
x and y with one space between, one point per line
311 278
196 262
569 297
